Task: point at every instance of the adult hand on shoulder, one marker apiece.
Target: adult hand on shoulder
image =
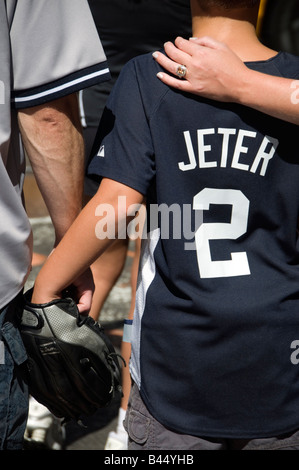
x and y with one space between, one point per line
213 70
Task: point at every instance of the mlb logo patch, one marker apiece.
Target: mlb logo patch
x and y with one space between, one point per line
101 152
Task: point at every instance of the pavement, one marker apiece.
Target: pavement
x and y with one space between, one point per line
115 310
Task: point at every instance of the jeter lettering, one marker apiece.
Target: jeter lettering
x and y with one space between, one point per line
234 151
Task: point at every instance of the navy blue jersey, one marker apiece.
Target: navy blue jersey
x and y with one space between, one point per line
217 305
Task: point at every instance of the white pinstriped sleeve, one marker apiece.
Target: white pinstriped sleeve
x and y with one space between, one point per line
56 50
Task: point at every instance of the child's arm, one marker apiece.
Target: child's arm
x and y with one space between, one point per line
69 262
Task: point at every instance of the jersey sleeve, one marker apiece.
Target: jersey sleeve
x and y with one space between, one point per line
56 50
123 149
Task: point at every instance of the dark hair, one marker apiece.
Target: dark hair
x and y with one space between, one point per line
228 4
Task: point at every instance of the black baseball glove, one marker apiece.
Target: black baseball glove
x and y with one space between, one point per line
73 368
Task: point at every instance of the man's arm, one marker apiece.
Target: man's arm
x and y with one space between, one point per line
53 141
82 245
215 72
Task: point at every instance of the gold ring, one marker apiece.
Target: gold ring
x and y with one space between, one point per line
181 71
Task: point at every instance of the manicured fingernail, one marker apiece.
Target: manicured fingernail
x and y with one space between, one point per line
155 55
160 75
193 39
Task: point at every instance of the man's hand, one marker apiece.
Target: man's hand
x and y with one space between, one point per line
213 70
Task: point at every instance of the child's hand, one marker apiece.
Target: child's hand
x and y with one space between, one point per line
81 291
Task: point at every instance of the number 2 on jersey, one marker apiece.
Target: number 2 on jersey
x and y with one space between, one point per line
238 264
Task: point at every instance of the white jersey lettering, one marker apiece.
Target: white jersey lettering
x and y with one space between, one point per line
240 150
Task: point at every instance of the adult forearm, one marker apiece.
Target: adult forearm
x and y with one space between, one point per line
53 141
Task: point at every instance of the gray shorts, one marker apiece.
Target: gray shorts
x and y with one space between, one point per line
146 433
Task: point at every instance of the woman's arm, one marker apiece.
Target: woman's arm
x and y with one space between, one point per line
215 72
